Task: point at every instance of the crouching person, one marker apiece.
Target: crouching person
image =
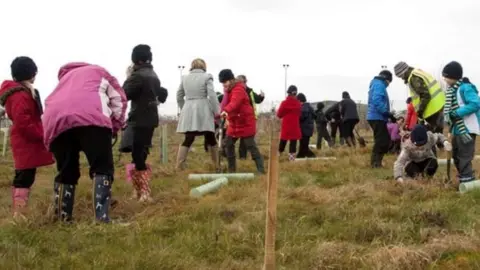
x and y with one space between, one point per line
241 120
88 126
416 158
21 101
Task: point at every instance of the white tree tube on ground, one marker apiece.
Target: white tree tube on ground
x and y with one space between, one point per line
208 187
207 176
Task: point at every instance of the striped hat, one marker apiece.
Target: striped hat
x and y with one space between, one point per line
400 69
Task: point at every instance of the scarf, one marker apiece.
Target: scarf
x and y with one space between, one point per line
451 104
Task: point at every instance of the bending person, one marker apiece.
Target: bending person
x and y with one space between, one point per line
88 126
254 100
240 120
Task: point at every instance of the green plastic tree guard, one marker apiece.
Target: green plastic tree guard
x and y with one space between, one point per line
207 176
164 145
464 187
208 187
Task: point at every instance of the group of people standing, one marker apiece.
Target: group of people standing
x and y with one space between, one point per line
299 119
429 107
65 127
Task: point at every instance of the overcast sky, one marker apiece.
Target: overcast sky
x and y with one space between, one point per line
331 46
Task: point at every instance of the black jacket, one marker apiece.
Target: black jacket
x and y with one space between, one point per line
307 119
143 89
256 97
348 109
320 118
333 112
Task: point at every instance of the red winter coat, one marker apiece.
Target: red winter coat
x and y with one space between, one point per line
411 119
26 135
290 111
241 118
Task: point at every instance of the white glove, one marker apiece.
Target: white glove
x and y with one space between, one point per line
400 180
447 145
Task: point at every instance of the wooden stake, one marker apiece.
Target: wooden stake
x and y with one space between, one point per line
164 144
271 216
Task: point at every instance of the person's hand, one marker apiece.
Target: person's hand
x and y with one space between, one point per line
129 70
224 114
420 115
400 180
447 145
453 116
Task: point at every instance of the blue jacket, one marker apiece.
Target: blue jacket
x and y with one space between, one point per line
378 102
469 102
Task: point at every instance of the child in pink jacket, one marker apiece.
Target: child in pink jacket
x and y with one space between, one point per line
83 113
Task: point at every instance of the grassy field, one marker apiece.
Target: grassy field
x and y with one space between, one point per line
331 215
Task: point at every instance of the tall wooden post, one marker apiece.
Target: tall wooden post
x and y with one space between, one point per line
271 213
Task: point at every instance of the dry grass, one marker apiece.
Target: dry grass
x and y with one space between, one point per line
331 215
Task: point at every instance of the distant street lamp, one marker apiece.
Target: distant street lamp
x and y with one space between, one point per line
286 66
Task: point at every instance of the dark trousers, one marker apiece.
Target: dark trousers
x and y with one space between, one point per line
242 149
322 134
95 142
395 147
463 154
348 126
334 127
381 141
251 147
142 139
427 167
292 146
304 150
209 139
24 178
436 122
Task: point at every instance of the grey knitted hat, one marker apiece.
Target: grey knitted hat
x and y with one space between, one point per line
400 69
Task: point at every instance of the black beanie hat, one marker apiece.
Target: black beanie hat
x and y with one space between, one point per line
23 69
409 100
141 53
387 75
320 106
226 75
419 135
301 97
292 90
453 70
345 94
